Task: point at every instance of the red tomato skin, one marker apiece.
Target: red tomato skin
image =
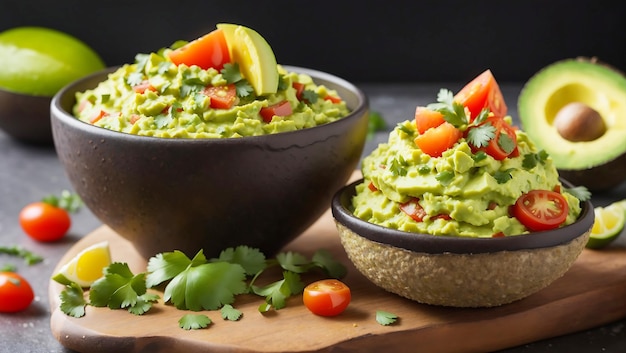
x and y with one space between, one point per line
482 92
44 222
333 99
426 119
328 297
532 210
279 109
413 209
299 87
16 294
222 97
437 140
208 51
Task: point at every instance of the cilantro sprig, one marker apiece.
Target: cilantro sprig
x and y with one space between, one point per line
232 75
200 284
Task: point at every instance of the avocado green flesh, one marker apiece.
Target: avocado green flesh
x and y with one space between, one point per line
599 87
40 62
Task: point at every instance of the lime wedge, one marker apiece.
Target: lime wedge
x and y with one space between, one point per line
40 61
608 225
86 267
254 56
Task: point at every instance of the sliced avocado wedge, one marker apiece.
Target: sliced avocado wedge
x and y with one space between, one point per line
597 162
254 56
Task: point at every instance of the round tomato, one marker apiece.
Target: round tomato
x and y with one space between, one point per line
482 92
505 140
44 222
16 294
328 297
541 210
208 51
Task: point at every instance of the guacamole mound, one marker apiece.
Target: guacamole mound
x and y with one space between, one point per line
462 194
155 97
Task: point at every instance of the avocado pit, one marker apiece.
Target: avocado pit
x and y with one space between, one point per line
578 122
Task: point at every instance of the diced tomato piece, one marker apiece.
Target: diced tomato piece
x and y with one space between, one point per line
143 86
82 105
208 51
413 209
222 97
134 118
98 116
299 89
372 187
435 141
482 92
498 235
426 118
279 109
333 99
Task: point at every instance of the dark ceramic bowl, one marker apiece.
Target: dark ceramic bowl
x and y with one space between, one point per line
26 117
187 194
457 271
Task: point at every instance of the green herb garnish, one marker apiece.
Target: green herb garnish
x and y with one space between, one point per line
385 318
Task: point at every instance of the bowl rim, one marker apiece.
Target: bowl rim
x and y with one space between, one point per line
57 112
431 244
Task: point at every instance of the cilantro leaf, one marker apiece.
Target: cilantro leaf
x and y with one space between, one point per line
243 88
252 260
309 96
141 60
230 313
118 288
479 156
231 73
506 143
445 177
404 129
480 136
194 321
453 112
68 201
385 318
276 293
29 257
165 266
143 304
502 176
579 192
532 159
206 286
72 300
134 78
397 167
293 261
333 268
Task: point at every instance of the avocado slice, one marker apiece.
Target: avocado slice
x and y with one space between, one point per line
254 55
598 162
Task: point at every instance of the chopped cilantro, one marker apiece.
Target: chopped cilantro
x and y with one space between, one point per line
453 112
398 166
530 160
404 129
232 75
276 293
309 96
385 318
479 156
424 169
164 67
105 98
480 136
243 88
282 83
8 268
29 257
119 288
68 201
141 60
506 143
251 259
502 176
194 322
579 192
134 78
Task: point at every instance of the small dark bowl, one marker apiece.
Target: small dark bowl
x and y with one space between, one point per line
458 271
191 194
25 117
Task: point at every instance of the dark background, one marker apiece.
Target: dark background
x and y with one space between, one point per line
363 41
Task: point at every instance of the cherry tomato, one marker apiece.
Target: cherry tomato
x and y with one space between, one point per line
541 210
16 294
222 97
426 118
208 51
498 148
328 297
279 109
437 140
44 222
482 92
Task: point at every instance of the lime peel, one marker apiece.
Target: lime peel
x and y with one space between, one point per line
608 224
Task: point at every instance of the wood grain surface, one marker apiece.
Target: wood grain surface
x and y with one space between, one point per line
591 293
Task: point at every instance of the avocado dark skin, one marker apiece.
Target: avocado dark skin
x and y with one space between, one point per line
589 152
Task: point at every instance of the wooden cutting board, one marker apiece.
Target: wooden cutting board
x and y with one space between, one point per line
591 293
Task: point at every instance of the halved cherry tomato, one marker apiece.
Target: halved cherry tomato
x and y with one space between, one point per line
541 210
328 297
426 118
208 51
16 294
500 147
44 222
482 92
413 209
222 97
435 141
279 109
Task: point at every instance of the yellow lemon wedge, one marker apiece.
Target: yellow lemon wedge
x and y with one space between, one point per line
254 56
608 225
86 267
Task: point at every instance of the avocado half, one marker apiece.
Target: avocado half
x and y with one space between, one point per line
598 164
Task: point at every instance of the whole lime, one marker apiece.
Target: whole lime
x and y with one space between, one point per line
40 61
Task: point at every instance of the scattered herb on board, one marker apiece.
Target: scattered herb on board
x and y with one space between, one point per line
200 284
385 318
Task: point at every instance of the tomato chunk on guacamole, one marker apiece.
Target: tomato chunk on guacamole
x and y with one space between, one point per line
459 172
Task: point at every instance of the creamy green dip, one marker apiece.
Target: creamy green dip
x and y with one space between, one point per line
474 192
175 106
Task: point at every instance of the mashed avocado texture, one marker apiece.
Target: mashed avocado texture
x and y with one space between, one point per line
155 97
462 193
